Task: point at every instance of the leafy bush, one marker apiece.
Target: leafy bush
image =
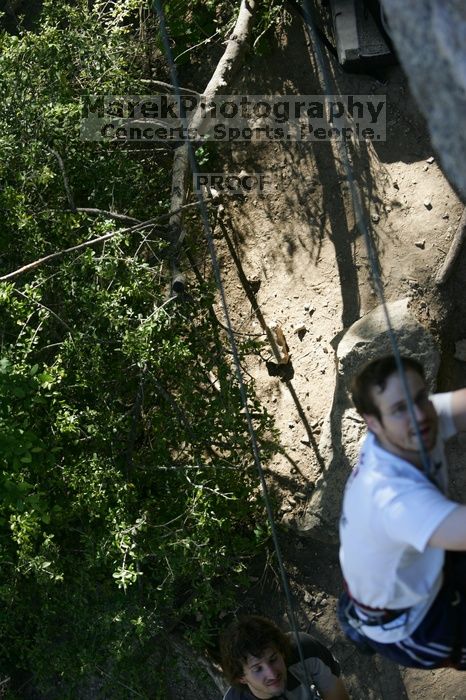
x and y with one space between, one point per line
127 499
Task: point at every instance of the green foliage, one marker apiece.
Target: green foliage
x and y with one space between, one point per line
197 24
270 17
127 493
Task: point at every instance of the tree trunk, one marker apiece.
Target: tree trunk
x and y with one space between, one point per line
224 72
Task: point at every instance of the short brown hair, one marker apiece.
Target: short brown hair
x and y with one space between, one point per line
250 635
376 374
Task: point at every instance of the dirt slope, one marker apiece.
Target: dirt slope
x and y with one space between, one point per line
300 247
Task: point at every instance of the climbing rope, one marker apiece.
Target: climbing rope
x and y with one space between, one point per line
216 268
362 225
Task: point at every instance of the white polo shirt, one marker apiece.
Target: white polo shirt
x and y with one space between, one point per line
390 511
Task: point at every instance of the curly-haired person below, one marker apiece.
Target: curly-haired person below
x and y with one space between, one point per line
261 661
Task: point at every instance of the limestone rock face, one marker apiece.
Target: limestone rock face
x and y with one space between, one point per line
429 36
344 429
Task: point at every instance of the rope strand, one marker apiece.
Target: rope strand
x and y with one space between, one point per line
216 269
361 223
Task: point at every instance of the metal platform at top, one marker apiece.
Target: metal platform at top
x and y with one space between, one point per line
360 37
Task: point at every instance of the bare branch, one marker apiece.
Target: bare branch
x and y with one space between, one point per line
59 254
235 48
108 214
203 487
94 241
115 680
226 68
184 420
196 46
46 308
168 86
249 293
69 195
136 412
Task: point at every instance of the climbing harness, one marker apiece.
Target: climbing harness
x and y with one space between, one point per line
359 615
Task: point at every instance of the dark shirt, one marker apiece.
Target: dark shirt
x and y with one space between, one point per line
322 670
